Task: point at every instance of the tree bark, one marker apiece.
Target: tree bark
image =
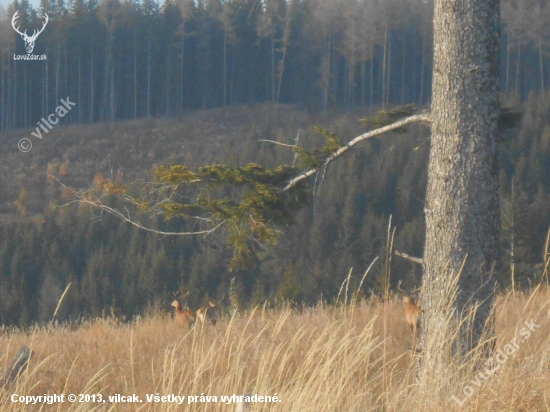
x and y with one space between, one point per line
462 204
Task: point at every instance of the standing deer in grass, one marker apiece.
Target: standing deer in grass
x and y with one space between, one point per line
184 317
208 312
412 316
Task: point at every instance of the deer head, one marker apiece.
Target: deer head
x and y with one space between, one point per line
29 40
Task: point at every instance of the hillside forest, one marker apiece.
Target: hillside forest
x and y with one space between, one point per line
46 242
203 82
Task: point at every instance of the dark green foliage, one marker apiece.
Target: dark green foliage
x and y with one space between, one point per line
314 158
256 208
251 203
133 269
509 118
289 289
333 141
307 159
385 118
111 263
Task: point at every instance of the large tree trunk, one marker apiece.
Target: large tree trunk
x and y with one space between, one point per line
462 205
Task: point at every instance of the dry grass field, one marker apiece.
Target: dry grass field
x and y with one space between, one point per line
345 358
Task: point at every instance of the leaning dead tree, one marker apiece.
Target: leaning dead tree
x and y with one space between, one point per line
15 367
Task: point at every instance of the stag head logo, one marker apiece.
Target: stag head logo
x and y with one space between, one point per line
29 40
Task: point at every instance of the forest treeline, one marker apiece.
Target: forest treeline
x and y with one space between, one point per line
130 59
114 267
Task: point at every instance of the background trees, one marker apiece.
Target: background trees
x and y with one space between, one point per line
192 55
346 226
127 59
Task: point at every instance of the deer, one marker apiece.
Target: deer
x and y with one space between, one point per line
29 40
413 312
184 317
209 311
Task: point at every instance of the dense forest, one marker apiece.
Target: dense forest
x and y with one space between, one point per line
114 267
199 82
130 59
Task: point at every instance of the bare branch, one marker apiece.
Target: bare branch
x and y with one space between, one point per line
115 212
98 204
409 257
274 142
296 145
419 118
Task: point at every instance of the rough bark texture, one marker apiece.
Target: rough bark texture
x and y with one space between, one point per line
462 206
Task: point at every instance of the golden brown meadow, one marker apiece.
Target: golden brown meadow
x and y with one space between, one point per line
327 358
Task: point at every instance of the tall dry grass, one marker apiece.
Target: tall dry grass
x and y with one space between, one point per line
319 359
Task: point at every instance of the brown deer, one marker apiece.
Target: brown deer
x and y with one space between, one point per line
208 311
412 316
184 317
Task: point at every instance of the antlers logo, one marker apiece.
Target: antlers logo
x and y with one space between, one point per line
29 40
